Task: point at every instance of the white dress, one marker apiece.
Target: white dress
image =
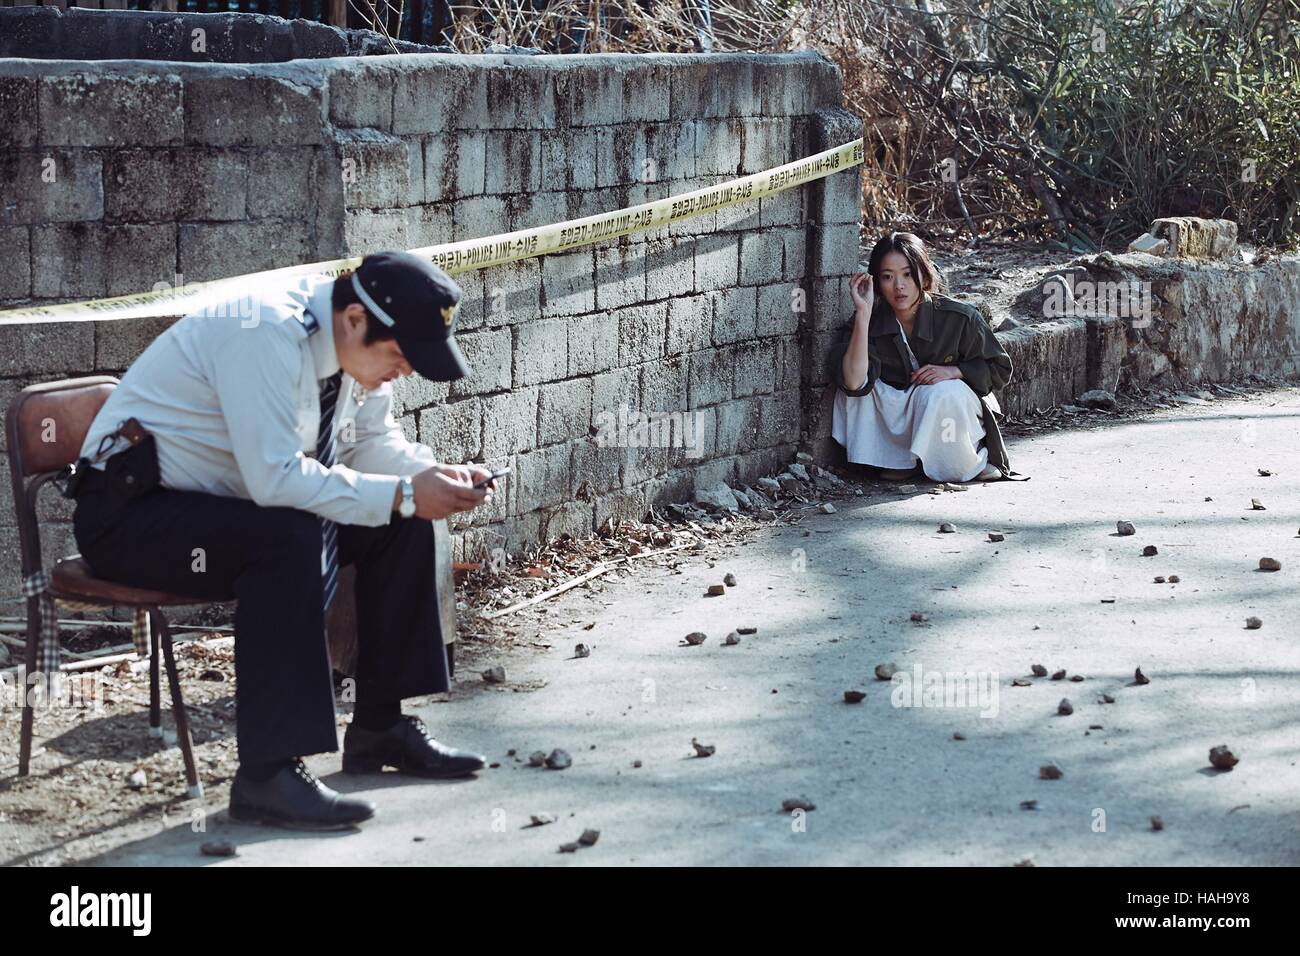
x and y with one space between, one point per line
942 424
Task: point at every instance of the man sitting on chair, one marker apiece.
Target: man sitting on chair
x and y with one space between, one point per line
236 397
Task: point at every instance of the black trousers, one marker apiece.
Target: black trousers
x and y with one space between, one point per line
269 560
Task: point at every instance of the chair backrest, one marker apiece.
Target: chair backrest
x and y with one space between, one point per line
44 430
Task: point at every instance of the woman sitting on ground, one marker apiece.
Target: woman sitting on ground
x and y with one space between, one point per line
916 374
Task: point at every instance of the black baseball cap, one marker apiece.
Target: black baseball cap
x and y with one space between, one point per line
418 301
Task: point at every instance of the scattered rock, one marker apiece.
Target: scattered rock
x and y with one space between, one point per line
138 779
1149 551
997 536
494 675
1059 675
854 696
1076 677
1107 699
886 671
1096 727
1021 682
570 847
827 508
1125 527
1157 824
1159 579
1025 863
695 638
947 527
729 580
1108 600
1221 758
799 471
1270 564
1096 398
212 674
797 803
559 760
731 640
717 497
581 650
716 590
958 735
1253 623
589 837
920 617
1050 771
1065 708
1028 804
747 629
907 489
537 758
770 485
541 819
1039 670
636 764
1174 579
218 848
1264 472
702 750
1140 678
1256 506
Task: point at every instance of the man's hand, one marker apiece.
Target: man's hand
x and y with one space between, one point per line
443 490
932 374
471 474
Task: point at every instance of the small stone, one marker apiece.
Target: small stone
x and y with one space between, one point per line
715 590
541 819
1141 678
511 752
138 780
854 696
570 847
702 750
1125 527
797 803
212 674
1026 863
558 760
1039 670
1108 600
1021 682
907 489
886 671
729 580
1264 472
1065 708
747 630
494 675
1256 506
1174 579
827 508
1050 771
1096 727
695 638
1076 677
799 471
1159 579
920 617
1253 623
636 764
997 536
947 527
1157 824
218 848
1096 398
958 735
1059 675
731 640
537 758
581 650
589 837
1221 758
1107 699
1028 804
1150 551
1270 564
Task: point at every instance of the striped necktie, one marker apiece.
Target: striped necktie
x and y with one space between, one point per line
329 562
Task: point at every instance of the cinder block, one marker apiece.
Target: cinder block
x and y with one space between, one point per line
510 422
514 162
776 310
434 96
50 186
168 185
737 426
470 315
830 306
541 478
620 276
647 93
665 385
361 94
718 146
587 96
789 363
719 85
668 152
794 247
454 165
641 332
690 324
766 143
836 249
512 292
742 217
711 472
478 217
761 257
626 504
782 209
71 260
565 411
139 257
593 343
453 430
716 263
755 368
46 347
118 343
567 283
841 197
219 250
734 314
595 468
373 230
569 159
780 416
541 351
669 268
612 390
91 109
529 210
376 169
412 393
18 107
253 110
489 355
573 519
711 377
521 97
431 225
16 254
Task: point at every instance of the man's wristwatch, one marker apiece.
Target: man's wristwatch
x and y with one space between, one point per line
407 508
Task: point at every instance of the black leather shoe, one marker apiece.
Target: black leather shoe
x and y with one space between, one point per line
407 747
294 798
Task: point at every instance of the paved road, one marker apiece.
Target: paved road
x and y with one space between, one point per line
831 599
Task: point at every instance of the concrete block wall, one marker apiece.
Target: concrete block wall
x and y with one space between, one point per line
117 177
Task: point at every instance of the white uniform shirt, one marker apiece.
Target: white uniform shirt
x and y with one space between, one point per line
231 394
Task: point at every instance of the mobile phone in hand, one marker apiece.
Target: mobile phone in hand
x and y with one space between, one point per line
491 478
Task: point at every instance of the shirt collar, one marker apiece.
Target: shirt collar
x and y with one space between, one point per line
922 328
321 344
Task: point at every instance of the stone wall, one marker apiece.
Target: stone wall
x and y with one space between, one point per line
117 176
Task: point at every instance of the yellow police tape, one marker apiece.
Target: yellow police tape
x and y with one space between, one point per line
471 254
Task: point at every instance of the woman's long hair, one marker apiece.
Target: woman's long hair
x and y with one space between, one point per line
910 246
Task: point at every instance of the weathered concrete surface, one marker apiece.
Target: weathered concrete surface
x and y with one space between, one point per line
890 784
